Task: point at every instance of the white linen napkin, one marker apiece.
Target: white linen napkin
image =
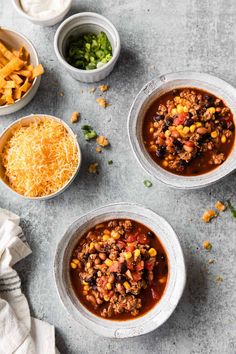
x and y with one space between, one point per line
19 333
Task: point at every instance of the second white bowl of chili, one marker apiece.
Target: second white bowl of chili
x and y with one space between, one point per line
94 286
182 129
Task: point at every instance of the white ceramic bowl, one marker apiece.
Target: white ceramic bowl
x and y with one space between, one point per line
175 283
148 95
24 121
15 40
86 22
41 21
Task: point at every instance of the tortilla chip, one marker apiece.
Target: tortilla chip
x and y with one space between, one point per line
13 65
37 71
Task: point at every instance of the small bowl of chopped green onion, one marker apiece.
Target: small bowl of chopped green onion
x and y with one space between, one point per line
88 46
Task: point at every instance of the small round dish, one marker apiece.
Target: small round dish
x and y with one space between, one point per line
156 88
51 21
14 40
24 121
86 22
175 283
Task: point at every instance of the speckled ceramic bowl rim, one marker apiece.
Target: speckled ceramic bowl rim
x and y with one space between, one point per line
157 87
176 278
69 130
36 80
92 15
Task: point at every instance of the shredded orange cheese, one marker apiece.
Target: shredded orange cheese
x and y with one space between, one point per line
39 159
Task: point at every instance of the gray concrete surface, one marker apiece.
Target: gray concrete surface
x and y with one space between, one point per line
157 37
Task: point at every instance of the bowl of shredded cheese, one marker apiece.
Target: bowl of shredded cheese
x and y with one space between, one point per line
39 156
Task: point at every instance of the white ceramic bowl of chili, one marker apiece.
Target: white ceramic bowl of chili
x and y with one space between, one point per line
176 271
156 88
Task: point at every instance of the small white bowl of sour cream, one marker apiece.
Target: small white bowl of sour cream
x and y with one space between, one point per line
43 13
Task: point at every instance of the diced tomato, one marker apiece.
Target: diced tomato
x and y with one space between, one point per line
143 239
155 294
121 244
130 247
181 118
131 238
149 265
136 276
130 265
140 266
115 267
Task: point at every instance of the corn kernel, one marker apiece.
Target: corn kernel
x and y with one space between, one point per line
106 298
105 237
179 127
167 133
73 265
186 130
153 148
185 109
85 292
211 110
180 108
109 286
177 99
173 111
223 139
165 163
107 232
152 252
86 287
76 261
127 285
151 130
198 124
115 234
91 246
214 134
108 262
88 265
136 253
84 282
192 128
128 255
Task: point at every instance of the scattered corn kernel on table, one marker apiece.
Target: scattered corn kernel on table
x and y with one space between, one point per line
157 37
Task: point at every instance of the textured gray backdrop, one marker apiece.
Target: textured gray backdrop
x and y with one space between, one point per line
157 37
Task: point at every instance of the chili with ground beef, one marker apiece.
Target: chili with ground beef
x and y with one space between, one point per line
119 269
188 131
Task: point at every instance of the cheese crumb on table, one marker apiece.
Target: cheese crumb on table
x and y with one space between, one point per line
102 102
220 206
208 215
102 141
207 245
93 167
74 117
103 88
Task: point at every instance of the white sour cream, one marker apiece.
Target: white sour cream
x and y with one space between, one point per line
43 9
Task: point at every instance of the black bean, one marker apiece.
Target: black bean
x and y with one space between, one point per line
190 114
188 122
183 163
161 257
165 127
158 117
223 124
177 145
121 278
161 152
204 138
169 121
123 268
150 234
